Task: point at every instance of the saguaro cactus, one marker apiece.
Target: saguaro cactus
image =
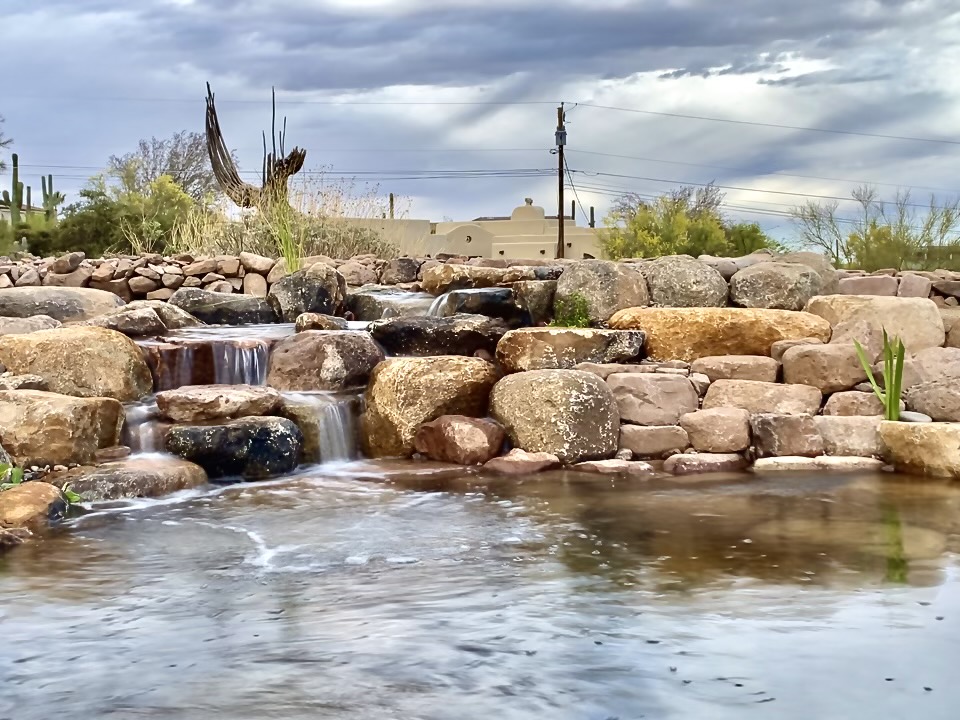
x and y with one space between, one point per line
15 200
51 200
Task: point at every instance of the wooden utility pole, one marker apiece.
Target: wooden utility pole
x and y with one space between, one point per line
561 139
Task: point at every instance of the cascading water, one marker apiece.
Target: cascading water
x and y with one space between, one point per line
240 363
142 429
440 306
328 422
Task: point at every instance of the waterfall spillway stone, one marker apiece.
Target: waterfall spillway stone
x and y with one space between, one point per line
328 422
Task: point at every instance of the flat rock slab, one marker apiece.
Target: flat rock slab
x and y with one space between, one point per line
564 348
692 333
760 397
195 403
133 478
60 303
703 463
431 336
521 462
817 464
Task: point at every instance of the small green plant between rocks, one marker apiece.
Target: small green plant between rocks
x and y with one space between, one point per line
893 354
12 476
572 312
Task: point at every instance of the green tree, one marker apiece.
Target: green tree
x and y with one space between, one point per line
745 238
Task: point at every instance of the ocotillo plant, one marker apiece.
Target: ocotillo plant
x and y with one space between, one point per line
14 201
51 200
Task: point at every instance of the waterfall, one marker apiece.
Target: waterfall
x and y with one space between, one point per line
241 362
142 430
440 306
328 422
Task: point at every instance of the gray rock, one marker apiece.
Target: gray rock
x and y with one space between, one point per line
775 285
938 399
653 399
373 302
605 286
20 326
829 277
786 435
319 289
428 336
223 309
536 298
323 360
681 281
60 303
400 270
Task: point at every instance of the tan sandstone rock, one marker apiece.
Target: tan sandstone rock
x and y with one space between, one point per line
720 430
916 321
737 367
564 348
32 505
759 397
653 398
194 403
923 448
460 440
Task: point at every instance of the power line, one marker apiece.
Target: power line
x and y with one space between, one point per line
756 123
573 187
87 98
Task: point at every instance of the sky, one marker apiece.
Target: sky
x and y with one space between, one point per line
407 95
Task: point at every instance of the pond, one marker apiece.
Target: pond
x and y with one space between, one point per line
362 590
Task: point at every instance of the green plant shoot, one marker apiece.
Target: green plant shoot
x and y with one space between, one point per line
893 355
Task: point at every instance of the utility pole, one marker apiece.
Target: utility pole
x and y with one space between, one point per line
561 140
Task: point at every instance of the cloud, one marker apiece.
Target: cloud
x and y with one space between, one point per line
372 86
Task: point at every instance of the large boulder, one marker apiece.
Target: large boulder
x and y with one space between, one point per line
404 393
373 302
196 403
761 397
651 398
20 326
783 286
922 448
603 286
61 303
323 360
33 506
460 440
829 277
938 399
691 333
81 361
173 317
563 348
133 478
535 298
44 428
916 321
426 336
681 282
318 289
250 448
567 413
215 308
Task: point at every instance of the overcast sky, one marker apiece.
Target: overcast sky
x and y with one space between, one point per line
391 87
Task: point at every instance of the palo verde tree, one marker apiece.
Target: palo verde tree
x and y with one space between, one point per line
900 234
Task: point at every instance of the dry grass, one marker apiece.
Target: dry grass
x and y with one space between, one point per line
314 224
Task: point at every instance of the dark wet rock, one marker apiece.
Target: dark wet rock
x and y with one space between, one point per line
460 440
493 302
323 360
564 348
374 302
12 537
317 321
60 303
32 505
224 308
133 478
428 336
400 270
567 413
535 298
604 286
251 448
318 289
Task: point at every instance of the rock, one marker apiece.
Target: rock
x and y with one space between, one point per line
925 366
923 448
853 404
868 333
652 399
323 360
777 285
77 279
495 302
567 413
32 505
400 270
691 333
439 279
817 465
785 435
781 346
222 308
133 478
615 467
318 289
251 448
850 436
21 326
719 430
737 367
196 403
703 463
605 370
916 321
603 286
535 298
653 441
80 361
914 417
947 288
426 336
44 428
829 277
356 274
23 382
13 537
460 440
829 368
255 285
913 285
256 263
137 322
316 321
700 382
29 278
173 317
142 286
67 263
870 285
759 397
118 288
201 267
563 348
520 462
375 302
938 399
404 393
60 303
682 282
